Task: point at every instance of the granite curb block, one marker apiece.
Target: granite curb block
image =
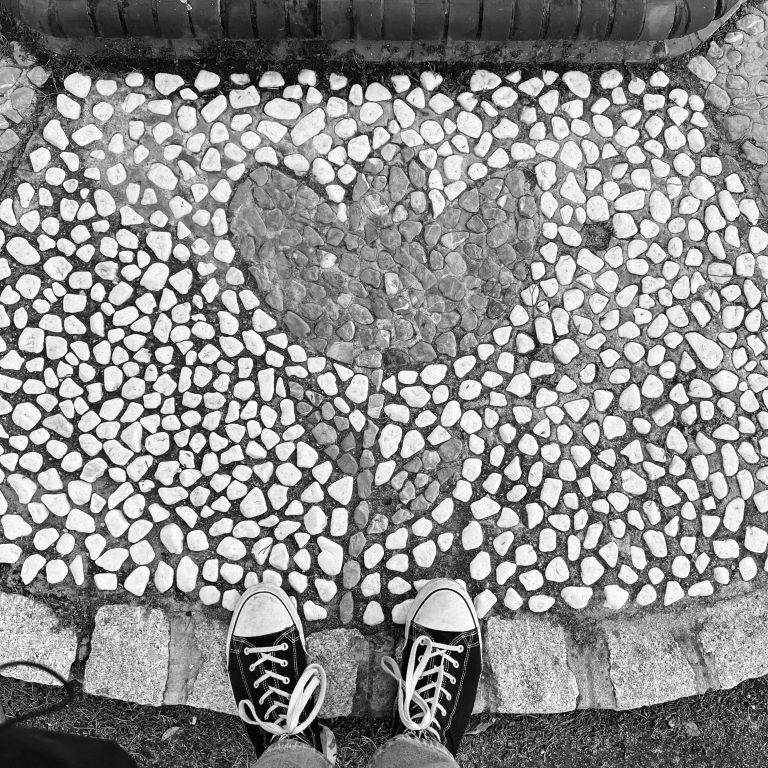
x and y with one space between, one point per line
388 51
130 654
533 664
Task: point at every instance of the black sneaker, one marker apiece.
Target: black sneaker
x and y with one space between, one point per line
273 685
442 662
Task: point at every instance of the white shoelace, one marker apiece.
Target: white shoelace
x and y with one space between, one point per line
284 716
421 686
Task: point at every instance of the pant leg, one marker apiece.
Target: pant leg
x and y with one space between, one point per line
39 748
290 753
410 752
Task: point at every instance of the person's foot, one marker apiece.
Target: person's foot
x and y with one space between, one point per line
441 666
272 682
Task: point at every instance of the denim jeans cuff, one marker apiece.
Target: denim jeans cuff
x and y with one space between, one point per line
429 748
308 756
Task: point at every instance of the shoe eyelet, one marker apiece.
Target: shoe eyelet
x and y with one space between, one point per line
284 663
287 680
456 665
461 648
284 646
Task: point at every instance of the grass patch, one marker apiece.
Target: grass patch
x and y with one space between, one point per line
724 728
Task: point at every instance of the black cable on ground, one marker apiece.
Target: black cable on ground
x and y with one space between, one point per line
69 694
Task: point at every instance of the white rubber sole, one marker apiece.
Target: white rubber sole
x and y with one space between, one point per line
260 589
433 586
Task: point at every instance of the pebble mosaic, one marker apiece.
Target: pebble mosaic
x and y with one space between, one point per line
345 337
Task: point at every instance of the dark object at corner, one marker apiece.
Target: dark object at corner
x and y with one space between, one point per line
422 21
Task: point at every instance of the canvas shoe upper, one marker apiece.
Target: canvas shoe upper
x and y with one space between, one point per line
441 665
277 692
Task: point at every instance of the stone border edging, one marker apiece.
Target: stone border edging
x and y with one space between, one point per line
534 664
387 51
